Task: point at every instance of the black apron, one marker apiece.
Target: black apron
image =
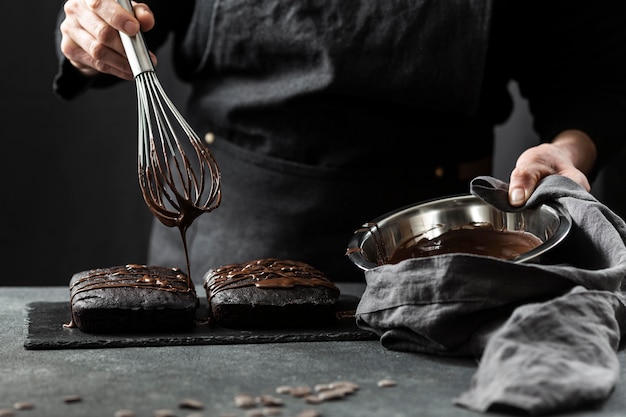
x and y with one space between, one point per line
326 114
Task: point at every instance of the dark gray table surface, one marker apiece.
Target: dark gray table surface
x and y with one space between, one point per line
151 378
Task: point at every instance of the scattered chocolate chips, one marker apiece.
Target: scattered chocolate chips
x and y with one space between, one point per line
347 385
333 394
257 406
333 391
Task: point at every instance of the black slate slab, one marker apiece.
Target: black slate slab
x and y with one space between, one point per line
45 331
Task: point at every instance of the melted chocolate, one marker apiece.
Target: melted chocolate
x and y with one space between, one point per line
157 188
265 274
187 212
479 239
134 276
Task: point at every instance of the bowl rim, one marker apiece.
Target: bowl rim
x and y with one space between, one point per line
355 254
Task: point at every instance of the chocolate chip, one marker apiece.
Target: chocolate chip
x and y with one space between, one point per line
190 404
321 387
6 413
349 386
23 406
313 399
284 389
301 391
245 401
72 399
384 383
268 400
333 394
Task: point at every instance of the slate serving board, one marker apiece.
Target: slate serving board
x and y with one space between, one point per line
45 331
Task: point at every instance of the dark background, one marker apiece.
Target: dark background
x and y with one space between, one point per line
71 199
70 196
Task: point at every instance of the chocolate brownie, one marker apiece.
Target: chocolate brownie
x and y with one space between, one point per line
132 298
270 293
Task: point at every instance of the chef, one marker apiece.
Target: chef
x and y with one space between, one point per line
323 114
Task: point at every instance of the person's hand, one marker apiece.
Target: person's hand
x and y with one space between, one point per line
90 35
571 154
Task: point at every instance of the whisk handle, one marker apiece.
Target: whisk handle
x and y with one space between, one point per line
135 47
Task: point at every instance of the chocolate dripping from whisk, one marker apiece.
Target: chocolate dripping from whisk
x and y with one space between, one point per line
186 213
172 190
175 190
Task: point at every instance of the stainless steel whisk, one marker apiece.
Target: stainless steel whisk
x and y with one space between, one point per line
176 186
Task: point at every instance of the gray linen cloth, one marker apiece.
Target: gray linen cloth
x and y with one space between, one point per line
546 333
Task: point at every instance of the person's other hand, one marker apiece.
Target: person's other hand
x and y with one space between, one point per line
90 35
571 154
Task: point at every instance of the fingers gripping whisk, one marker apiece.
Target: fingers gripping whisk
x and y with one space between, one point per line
177 184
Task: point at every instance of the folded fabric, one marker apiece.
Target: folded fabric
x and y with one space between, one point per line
546 333
551 356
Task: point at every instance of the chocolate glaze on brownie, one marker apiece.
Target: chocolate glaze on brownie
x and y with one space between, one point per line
131 276
130 298
267 273
269 292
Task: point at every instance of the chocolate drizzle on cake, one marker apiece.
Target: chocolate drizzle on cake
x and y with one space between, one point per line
154 278
265 274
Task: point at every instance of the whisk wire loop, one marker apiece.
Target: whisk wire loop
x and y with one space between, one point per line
173 185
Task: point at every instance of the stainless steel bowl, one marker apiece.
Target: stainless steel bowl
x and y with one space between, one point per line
549 222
